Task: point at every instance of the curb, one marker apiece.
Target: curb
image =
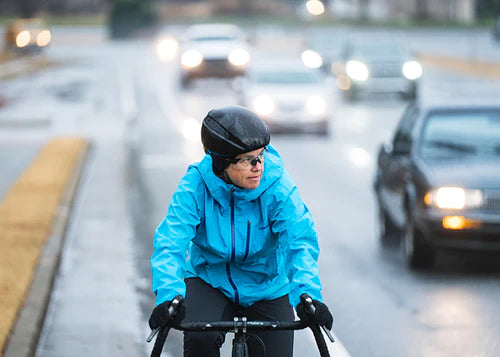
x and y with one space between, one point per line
25 333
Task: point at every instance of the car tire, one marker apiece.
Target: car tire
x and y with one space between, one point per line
411 94
387 232
350 95
323 129
416 251
185 81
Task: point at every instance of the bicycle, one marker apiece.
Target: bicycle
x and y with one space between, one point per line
240 326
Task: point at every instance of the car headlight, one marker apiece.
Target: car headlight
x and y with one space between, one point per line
412 70
166 48
43 38
23 39
454 198
263 105
239 57
191 59
316 105
357 70
311 59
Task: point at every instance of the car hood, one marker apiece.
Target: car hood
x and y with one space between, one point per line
216 49
464 173
382 58
286 93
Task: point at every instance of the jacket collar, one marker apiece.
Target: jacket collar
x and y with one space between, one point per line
221 191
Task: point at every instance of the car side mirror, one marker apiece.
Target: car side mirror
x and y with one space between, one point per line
386 148
401 148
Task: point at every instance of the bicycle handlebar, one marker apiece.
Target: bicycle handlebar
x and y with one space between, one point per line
237 325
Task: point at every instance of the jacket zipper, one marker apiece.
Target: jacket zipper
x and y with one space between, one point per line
247 248
233 252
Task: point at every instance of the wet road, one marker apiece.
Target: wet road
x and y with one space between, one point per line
380 307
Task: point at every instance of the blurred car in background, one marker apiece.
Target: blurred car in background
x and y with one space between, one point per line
378 63
288 95
26 35
438 180
213 50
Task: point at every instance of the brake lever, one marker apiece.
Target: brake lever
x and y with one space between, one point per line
172 310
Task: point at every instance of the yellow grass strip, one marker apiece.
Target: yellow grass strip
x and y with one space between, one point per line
490 70
26 216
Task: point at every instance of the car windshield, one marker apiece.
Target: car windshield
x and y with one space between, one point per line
377 48
285 77
452 134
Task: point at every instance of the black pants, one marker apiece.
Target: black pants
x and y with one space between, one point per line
204 303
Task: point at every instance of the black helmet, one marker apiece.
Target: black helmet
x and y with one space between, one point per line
230 131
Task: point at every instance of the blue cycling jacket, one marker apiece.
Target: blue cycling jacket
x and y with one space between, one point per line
252 244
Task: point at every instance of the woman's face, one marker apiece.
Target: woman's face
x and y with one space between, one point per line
247 172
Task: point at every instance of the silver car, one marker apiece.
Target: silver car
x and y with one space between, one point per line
378 63
213 50
288 95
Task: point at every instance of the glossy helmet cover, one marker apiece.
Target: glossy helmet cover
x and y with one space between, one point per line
230 131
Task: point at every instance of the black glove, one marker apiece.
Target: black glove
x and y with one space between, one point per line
160 316
322 315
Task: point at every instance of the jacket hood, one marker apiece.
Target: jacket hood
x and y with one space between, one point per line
221 191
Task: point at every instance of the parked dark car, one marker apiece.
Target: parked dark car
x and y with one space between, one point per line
437 183
378 63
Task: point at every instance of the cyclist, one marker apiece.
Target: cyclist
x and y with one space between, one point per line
237 239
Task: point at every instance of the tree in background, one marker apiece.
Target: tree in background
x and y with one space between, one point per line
422 10
126 17
487 9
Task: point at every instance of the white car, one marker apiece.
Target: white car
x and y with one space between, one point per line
287 95
213 50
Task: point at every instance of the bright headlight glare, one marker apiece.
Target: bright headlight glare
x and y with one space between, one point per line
454 198
239 57
316 105
43 38
357 70
191 59
23 39
263 105
412 70
166 49
315 7
311 59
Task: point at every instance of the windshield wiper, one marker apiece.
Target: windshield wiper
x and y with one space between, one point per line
463 148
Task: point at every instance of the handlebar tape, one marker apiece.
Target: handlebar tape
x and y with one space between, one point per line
160 341
320 341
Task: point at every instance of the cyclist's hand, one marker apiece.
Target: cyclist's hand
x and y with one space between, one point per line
322 315
160 316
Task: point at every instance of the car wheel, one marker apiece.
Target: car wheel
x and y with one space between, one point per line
323 129
387 231
417 253
410 94
350 95
185 81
